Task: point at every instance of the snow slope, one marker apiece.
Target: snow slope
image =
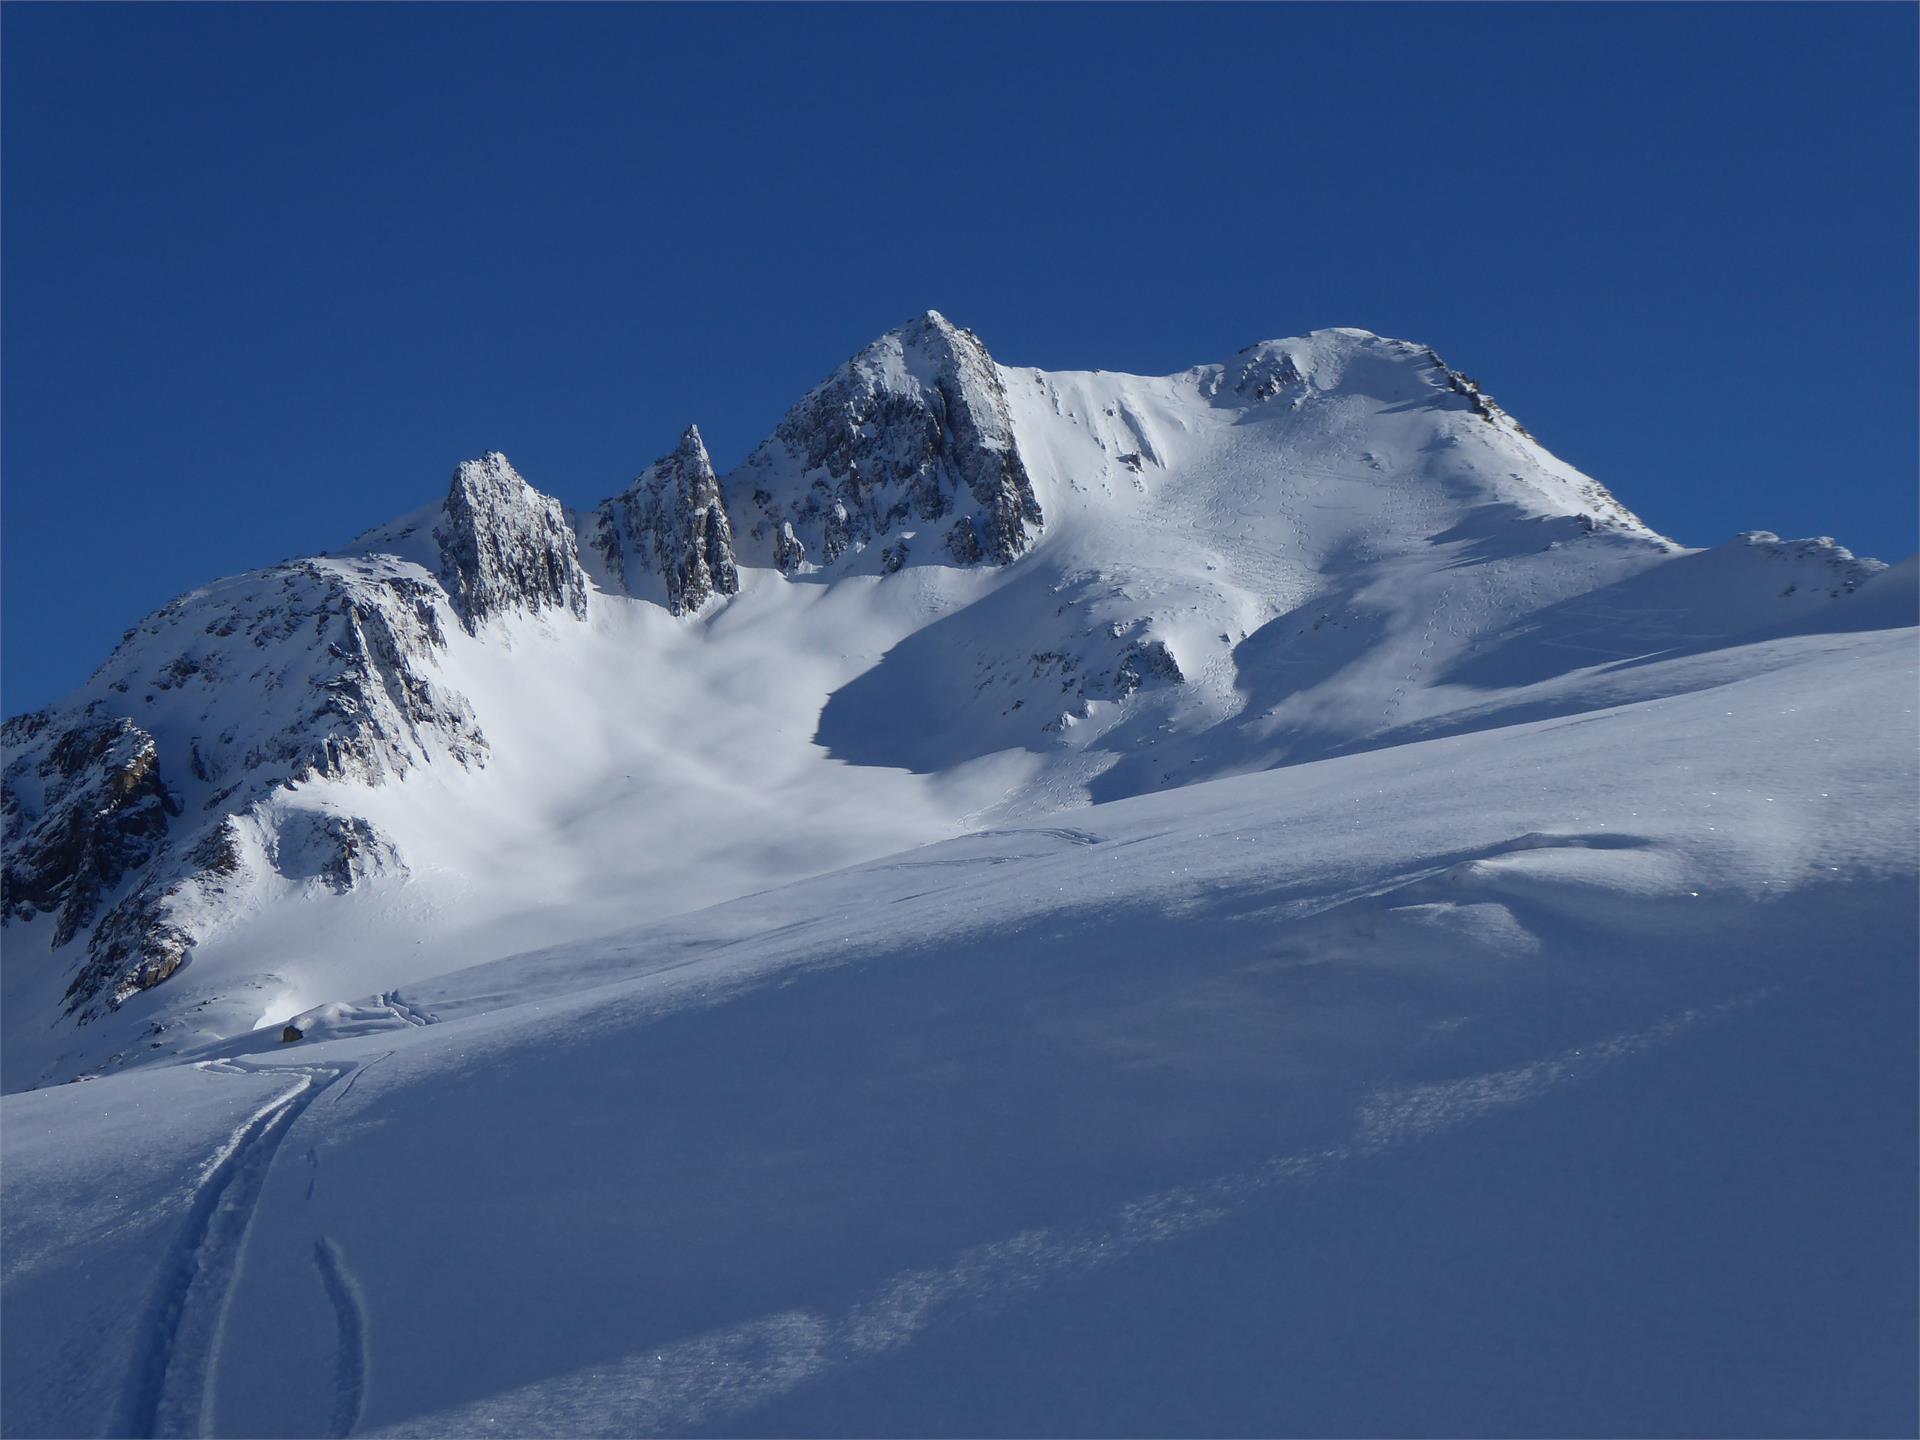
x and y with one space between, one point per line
471 732
1314 1101
1249 901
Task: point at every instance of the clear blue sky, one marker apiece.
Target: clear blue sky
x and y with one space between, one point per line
270 271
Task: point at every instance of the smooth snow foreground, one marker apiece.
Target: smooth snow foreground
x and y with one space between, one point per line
1555 1079
1256 901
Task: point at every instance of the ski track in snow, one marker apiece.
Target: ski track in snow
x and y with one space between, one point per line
169 1389
709 1379
1463 595
351 1353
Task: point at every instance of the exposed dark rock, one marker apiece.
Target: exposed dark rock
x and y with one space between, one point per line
1145 662
963 542
1265 374
911 430
81 812
789 550
505 546
134 947
335 660
338 850
671 523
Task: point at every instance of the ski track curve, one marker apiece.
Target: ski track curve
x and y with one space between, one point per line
350 1352
166 1392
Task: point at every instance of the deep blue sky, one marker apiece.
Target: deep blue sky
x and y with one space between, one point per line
269 272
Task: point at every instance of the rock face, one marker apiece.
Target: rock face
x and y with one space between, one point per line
139 809
914 431
82 810
505 546
671 525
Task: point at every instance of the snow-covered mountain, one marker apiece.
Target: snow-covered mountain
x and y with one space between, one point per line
1166 794
988 592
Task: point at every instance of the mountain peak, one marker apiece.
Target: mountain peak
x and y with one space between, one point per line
504 545
667 537
913 432
691 453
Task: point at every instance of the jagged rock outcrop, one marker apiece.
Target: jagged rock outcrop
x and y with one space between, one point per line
1817 565
505 546
913 431
134 833
138 809
82 809
1109 664
1261 372
671 525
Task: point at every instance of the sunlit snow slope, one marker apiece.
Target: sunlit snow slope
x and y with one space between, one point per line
1250 901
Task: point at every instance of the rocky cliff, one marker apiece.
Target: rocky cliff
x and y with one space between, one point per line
913 433
136 809
504 545
668 535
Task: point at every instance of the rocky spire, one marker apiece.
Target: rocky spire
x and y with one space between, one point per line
913 431
505 546
671 523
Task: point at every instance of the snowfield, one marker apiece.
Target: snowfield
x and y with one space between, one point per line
1349 932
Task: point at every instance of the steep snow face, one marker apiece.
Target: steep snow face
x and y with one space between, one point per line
668 537
913 433
1248 563
449 740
